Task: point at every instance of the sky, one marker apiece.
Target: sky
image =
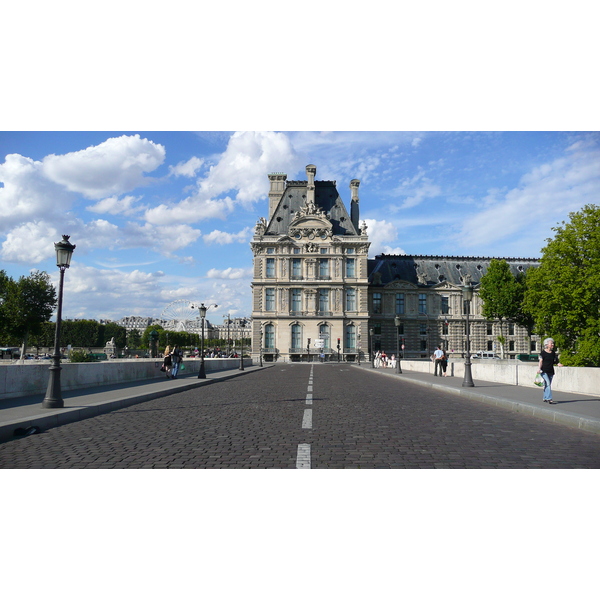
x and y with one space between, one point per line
159 216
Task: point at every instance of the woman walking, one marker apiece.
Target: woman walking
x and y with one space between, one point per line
548 359
168 361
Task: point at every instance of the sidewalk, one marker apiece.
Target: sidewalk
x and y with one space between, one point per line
81 404
573 410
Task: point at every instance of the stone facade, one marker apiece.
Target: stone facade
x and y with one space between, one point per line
310 273
313 281
426 293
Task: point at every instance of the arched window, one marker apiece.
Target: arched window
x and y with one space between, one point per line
270 336
325 335
296 336
350 337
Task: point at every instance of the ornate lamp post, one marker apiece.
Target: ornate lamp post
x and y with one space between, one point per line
467 291
202 309
358 348
261 343
372 349
242 324
64 251
398 323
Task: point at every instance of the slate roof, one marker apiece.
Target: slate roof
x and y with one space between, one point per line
326 197
435 270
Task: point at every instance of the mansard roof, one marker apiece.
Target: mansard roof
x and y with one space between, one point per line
327 199
429 271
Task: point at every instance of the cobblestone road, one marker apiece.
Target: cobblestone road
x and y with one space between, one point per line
284 417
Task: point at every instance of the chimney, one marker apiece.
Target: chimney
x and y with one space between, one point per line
277 188
311 171
354 203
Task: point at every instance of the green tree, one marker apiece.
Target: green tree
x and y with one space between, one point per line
134 339
563 292
81 333
501 295
25 305
112 330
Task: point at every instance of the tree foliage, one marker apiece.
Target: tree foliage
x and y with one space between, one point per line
563 293
25 305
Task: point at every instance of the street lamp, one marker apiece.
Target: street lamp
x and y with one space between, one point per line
467 292
358 348
242 324
202 309
372 349
398 323
64 251
261 343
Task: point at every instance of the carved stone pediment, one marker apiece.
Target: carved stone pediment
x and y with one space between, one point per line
444 285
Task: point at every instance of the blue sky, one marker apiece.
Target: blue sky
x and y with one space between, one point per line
163 216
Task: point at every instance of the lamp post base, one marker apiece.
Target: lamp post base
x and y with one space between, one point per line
53 397
468 379
202 371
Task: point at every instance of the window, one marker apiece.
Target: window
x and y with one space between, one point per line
296 268
270 267
511 346
423 345
400 329
399 304
377 303
324 335
351 299
490 329
511 329
270 336
533 346
445 328
323 301
324 250
270 299
296 250
270 250
296 336
296 299
423 303
349 250
490 345
422 329
350 337
377 329
350 267
323 268
445 305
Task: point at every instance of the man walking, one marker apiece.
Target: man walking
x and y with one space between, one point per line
438 355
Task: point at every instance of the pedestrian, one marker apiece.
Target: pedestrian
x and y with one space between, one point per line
444 362
437 359
167 361
177 359
548 359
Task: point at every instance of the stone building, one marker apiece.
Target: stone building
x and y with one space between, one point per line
315 292
426 293
310 284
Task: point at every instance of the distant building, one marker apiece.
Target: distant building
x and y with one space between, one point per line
314 291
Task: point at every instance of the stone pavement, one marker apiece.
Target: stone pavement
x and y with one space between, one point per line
573 410
27 411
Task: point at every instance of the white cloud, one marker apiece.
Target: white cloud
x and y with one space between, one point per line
190 210
27 195
222 237
381 232
229 273
187 168
30 243
545 196
416 194
115 206
112 167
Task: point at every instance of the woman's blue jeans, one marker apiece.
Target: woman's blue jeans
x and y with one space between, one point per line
547 383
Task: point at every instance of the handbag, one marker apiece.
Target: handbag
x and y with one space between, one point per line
539 381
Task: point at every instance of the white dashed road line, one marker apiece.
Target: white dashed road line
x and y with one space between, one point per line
303 459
